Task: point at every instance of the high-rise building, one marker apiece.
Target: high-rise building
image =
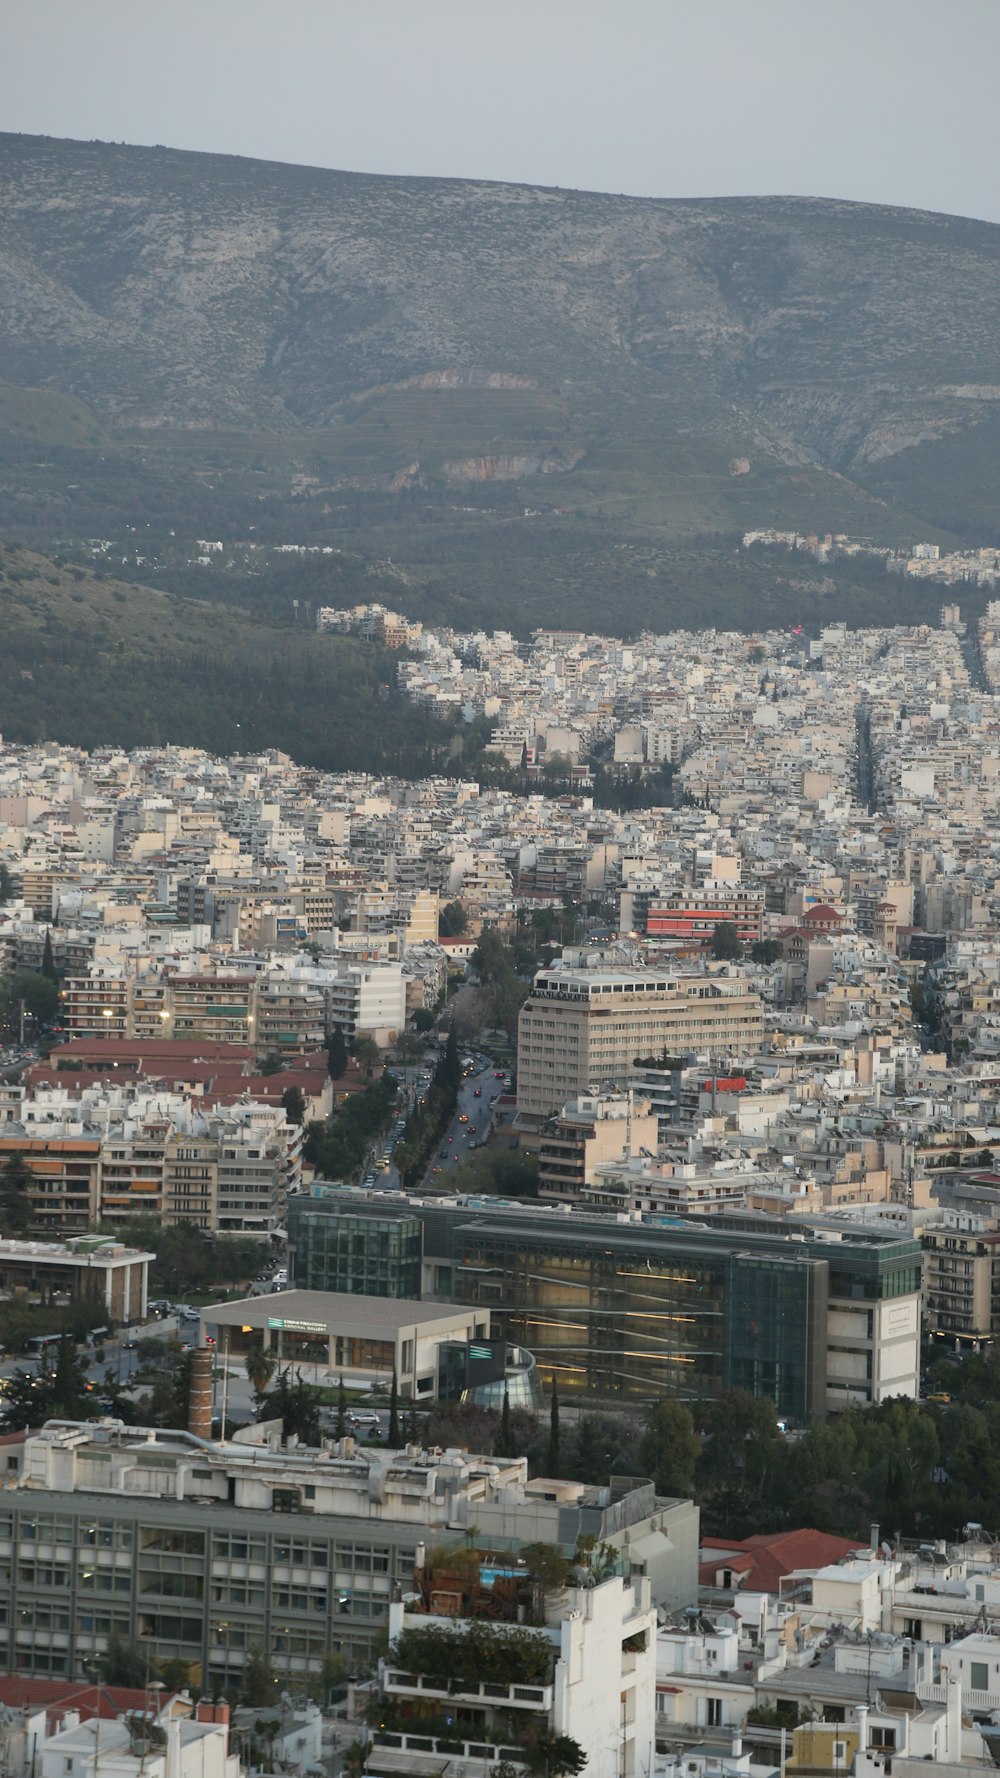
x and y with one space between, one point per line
581 1030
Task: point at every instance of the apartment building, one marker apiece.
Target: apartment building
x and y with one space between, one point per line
961 1282
368 1000
588 1673
589 1132
694 913
581 1029
229 1169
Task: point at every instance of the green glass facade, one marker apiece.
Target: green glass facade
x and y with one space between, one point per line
636 1310
361 1255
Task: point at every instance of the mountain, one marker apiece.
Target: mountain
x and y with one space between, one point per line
525 395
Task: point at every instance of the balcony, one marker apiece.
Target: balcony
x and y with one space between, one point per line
392 1753
493 1693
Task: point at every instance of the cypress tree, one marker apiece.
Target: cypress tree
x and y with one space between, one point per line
505 1441
394 1439
552 1454
341 1427
48 961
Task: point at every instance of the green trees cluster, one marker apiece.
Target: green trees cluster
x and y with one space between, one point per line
339 1144
495 965
189 1260
39 994
430 1118
57 1391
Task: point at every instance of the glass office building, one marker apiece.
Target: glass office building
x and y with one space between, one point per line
812 1317
375 1255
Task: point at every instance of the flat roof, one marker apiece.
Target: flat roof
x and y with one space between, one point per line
379 1316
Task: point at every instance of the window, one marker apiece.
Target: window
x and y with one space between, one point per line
979 1676
714 1712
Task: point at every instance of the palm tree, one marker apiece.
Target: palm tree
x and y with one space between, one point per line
260 1368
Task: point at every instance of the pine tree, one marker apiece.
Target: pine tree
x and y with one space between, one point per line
395 1440
552 1454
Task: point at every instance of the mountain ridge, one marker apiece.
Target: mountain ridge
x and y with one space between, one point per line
357 354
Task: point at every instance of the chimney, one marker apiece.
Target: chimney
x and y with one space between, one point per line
205 1711
200 1413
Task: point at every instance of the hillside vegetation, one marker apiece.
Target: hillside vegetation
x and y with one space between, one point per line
95 662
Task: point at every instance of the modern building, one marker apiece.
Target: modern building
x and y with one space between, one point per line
581 1030
817 1317
362 1255
961 1283
359 1337
113 1275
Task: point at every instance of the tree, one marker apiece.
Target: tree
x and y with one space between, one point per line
6 883
124 1664
453 920
341 1428
294 1101
367 1054
394 1435
16 1180
725 941
669 1449
336 1054
69 1383
555 1756
552 1458
504 1446
298 1404
260 1367
259 1687
48 961
766 950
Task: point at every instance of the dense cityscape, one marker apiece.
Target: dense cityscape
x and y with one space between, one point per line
499 890
456 1106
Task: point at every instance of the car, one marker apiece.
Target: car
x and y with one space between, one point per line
365 1417
498 1074
463 1117
478 1093
369 1179
451 1138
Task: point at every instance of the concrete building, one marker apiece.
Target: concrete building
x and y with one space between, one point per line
817 1317
587 1133
581 1030
113 1275
365 1339
590 1675
203 1552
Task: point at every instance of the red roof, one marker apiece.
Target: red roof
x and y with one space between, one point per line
823 913
106 1701
765 1559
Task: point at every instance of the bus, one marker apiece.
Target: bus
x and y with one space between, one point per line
39 1344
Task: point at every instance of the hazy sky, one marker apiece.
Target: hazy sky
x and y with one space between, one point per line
892 101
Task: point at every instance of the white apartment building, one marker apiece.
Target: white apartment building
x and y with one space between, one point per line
598 1686
368 1000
